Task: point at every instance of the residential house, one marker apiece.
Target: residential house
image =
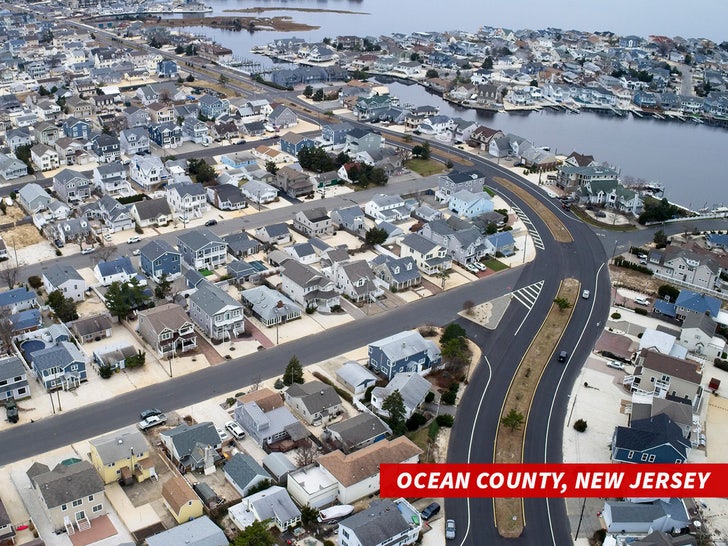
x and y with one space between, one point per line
358 432
187 200
277 234
71 186
429 257
467 204
570 178
13 379
405 351
642 516
259 192
313 222
136 118
698 336
7 529
15 300
355 378
293 182
162 91
266 427
216 313
241 244
106 147
66 279
362 140
307 287
334 134
202 249
122 455
92 328
24 322
384 522
350 219
411 386
181 500
398 273
72 230
305 253
665 376
355 279
314 401
282 117
160 112
44 158
195 130
168 329
151 212
198 532
20 136
243 472
33 198
451 183
269 306
166 135
292 143
72 495
158 258
47 133
134 141
660 538
192 447
114 216
313 486
500 243
76 128
111 179
167 69
387 208
685 265
689 302
117 270
226 197
11 167
213 107
61 365
147 171
272 506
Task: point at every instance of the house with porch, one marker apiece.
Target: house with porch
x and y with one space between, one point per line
71 187
151 212
166 135
167 329
355 280
192 447
15 300
147 171
202 249
307 287
106 147
114 216
313 222
134 141
399 273
269 306
698 335
187 200
292 143
122 455
213 107
451 183
665 376
111 179
226 197
60 366
158 258
313 401
13 379
700 269
216 313
11 167
689 302
429 257
76 128
350 219
467 204
405 351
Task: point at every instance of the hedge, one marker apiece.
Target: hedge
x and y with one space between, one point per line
346 395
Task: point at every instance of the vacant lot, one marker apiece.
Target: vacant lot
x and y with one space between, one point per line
425 167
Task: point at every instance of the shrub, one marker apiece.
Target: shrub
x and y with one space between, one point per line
616 316
445 420
58 252
279 384
640 311
431 396
449 397
138 229
368 394
580 425
229 401
35 282
105 372
721 364
433 430
415 421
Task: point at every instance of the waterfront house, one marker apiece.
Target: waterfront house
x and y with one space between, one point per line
405 351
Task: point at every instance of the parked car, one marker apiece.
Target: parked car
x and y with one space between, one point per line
58 243
563 356
149 412
88 250
240 142
11 410
136 252
641 300
133 239
481 266
223 435
430 511
235 429
616 364
152 421
585 294
472 268
450 529
212 222
107 237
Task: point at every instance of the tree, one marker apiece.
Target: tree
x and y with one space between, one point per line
260 486
425 150
63 307
9 273
318 96
223 79
488 63
179 50
452 331
123 298
294 372
375 236
164 287
668 291
105 252
271 167
191 50
580 425
255 534
660 239
491 228
562 303
415 57
23 154
432 73
513 420
35 282
394 406
308 91
309 517
202 171
190 78
135 361
6 335
306 453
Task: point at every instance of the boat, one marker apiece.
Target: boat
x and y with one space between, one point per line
335 512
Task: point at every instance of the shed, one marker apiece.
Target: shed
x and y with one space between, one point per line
206 493
278 466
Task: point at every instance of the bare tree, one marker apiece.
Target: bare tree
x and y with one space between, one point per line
306 453
6 336
105 252
9 273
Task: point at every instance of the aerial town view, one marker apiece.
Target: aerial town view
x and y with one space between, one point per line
248 254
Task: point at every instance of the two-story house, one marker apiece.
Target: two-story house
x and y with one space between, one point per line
60 366
689 302
47 133
467 204
387 208
134 141
216 313
451 183
307 287
195 130
65 278
117 270
314 402
350 219
168 329
429 257
114 216
655 439
213 107
147 171
663 375
11 167
181 500
110 179
15 300
266 425
166 135
158 258
44 157
282 117
106 147
192 447
187 200
355 279
362 140
698 335
202 249
685 265
293 182
292 143
278 234
136 117
463 241
405 351
334 134
399 273
313 222
76 128
71 187
384 522
122 455
13 379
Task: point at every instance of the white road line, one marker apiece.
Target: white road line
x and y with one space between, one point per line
529 307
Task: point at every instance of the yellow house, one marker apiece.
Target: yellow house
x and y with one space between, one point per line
122 455
181 500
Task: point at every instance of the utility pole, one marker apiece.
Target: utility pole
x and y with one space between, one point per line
581 517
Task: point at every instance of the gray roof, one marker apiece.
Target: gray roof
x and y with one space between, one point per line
403 345
412 386
278 464
198 532
90 325
315 395
418 243
11 366
33 191
647 512
152 208
301 274
660 538
212 299
186 437
228 192
120 445
199 238
58 274
401 269
377 524
360 428
243 469
274 502
265 302
121 264
62 354
277 230
66 483
193 189
4 518
701 321
240 242
354 374
157 248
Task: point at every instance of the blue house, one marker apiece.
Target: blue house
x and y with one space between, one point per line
656 439
693 302
166 134
406 351
502 242
213 107
718 240
468 204
167 69
61 366
76 128
17 300
292 143
159 258
335 133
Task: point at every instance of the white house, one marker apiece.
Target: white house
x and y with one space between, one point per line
66 279
148 171
389 208
188 200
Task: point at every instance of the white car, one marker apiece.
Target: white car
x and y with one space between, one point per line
223 435
235 429
136 252
87 250
107 237
152 421
450 529
480 266
134 239
472 268
616 364
641 300
585 294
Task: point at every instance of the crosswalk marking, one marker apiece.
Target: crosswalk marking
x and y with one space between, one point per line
537 241
529 294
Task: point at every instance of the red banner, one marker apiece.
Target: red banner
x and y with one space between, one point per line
553 480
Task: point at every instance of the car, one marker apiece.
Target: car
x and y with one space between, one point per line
450 529
563 356
58 243
480 265
136 252
616 364
430 511
585 294
152 421
240 142
134 239
149 412
223 435
212 222
641 300
235 429
88 250
643 262
107 237
472 268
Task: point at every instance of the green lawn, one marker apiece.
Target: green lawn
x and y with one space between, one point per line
420 437
205 272
425 167
495 265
